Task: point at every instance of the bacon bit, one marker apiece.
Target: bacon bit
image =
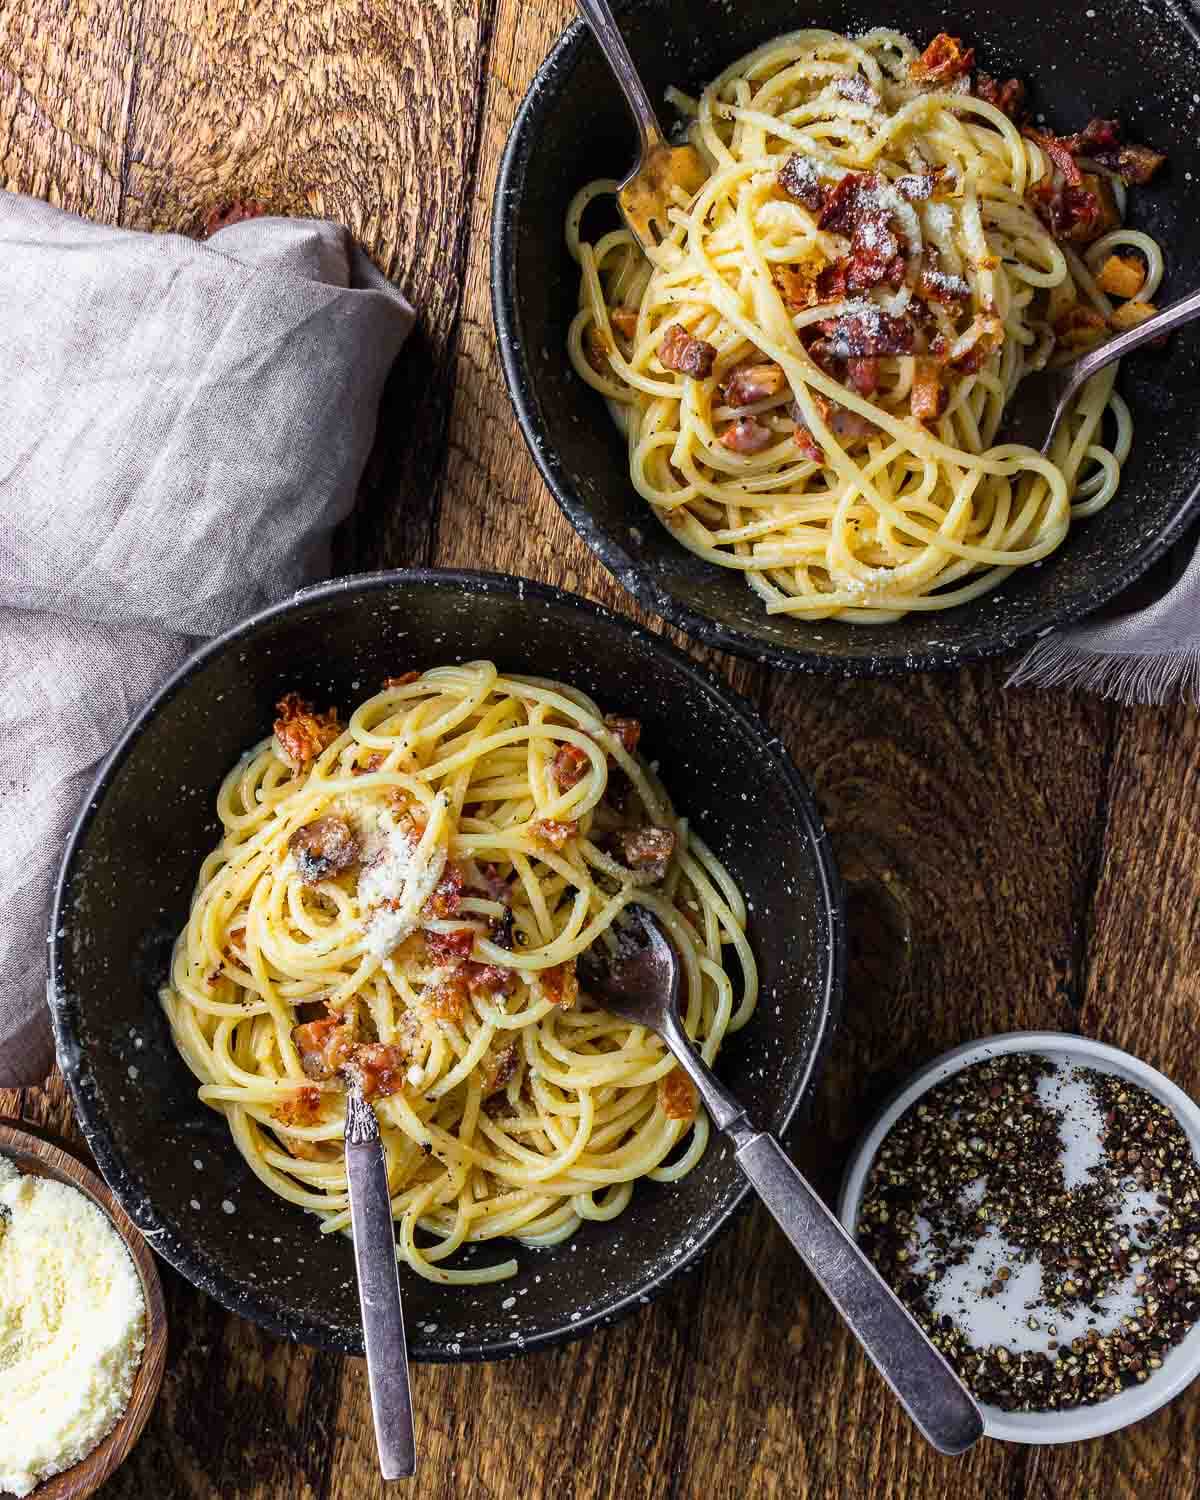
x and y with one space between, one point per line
443 947
929 397
746 436
1100 141
863 375
1079 328
301 1108
560 985
1122 276
1008 97
1130 314
690 356
301 734
490 981
808 444
499 1067
324 848
553 833
831 283
597 346
1071 214
372 763
378 1068
798 179
447 1001
986 334
677 1096
235 212
846 201
850 426
857 90
942 62
753 382
798 285
647 851
628 731
919 186
940 286
870 332
323 1047
1058 149
447 895
624 320
569 766
402 681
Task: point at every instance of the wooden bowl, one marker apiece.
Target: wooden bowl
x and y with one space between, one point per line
43 1158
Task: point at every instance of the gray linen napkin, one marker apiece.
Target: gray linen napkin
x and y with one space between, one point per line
1144 649
182 425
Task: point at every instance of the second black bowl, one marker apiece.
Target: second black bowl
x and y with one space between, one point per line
127 881
1138 60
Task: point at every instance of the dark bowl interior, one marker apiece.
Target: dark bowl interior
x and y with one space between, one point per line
1136 59
127 879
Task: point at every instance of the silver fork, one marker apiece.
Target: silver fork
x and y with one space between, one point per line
646 194
1037 406
641 984
379 1286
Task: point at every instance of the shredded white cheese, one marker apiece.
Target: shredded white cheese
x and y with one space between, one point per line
399 876
72 1328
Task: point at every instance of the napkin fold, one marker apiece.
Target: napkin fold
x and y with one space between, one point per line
1144 648
182 426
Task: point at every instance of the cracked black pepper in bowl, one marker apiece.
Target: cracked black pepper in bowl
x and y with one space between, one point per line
983 1153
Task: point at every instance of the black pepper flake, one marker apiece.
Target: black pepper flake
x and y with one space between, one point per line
988 1129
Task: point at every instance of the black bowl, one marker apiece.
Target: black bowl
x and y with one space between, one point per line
1136 59
127 879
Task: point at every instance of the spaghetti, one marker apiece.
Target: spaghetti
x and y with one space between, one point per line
812 367
405 898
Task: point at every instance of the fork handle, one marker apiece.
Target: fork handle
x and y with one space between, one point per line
600 18
926 1386
1165 321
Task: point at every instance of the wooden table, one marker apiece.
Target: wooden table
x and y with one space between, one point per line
1039 854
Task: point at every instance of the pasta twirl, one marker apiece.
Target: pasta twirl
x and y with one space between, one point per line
406 897
811 368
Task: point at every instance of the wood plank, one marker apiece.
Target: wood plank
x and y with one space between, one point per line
1142 992
496 511
66 78
362 114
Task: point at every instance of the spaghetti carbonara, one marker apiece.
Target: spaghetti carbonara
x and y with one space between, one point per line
404 898
812 366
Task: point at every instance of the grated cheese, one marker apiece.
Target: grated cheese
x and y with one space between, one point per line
398 878
72 1328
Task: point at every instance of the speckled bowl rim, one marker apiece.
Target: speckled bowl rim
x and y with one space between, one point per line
1080 1423
632 575
248 1301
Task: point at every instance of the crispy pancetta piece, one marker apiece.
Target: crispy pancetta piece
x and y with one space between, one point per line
446 947
751 382
1008 97
746 436
689 356
927 400
1122 276
301 734
647 851
798 179
447 894
324 848
677 1095
628 731
560 984
323 1047
943 62
569 766
554 832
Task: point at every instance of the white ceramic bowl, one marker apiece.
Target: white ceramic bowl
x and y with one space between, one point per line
1182 1364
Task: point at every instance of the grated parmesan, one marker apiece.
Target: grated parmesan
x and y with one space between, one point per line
72 1328
399 876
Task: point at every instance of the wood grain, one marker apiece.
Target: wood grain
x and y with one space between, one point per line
1014 860
40 1157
